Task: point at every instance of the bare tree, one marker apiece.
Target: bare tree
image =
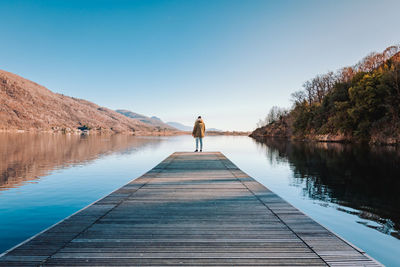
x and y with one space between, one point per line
275 113
330 80
371 62
317 88
345 74
309 91
391 51
298 97
320 89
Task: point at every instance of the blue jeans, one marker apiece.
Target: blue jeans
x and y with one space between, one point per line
197 143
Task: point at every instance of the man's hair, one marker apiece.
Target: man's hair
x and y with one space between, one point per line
199 117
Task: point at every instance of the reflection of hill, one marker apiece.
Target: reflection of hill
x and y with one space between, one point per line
363 178
24 157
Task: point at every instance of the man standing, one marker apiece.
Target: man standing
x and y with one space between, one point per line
198 133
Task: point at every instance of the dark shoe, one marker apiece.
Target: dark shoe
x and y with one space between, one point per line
196 150
201 150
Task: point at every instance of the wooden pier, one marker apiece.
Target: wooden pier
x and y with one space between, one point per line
192 209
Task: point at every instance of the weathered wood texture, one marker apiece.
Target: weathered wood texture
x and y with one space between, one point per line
192 209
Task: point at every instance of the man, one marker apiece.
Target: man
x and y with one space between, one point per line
198 133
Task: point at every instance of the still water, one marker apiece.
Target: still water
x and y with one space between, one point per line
352 190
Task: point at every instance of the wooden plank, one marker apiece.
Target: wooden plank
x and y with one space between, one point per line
192 209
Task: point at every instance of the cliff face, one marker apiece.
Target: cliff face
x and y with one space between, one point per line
25 105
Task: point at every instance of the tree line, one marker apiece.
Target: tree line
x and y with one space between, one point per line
355 100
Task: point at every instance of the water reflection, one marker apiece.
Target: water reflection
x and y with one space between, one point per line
358 180
26 157
353 190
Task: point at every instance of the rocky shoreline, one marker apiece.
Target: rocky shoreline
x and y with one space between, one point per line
282 129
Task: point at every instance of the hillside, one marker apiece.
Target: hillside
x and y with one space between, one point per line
25 105
360 103
152 121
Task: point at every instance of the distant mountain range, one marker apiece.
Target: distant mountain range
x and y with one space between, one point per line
25 105
186 128
153 121
180 126
213 130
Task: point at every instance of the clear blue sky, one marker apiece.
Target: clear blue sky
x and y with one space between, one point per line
229 61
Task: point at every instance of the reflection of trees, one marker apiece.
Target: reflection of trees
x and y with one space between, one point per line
25 157
361 177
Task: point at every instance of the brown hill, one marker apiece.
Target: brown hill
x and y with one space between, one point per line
25 105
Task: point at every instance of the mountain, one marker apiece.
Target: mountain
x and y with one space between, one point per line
180 126
152 121
213 130
186 128
25 105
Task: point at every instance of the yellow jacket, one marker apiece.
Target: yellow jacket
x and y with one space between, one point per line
199 128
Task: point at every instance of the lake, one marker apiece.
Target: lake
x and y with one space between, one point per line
352 190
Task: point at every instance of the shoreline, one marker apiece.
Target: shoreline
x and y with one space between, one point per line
110 132
336 139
